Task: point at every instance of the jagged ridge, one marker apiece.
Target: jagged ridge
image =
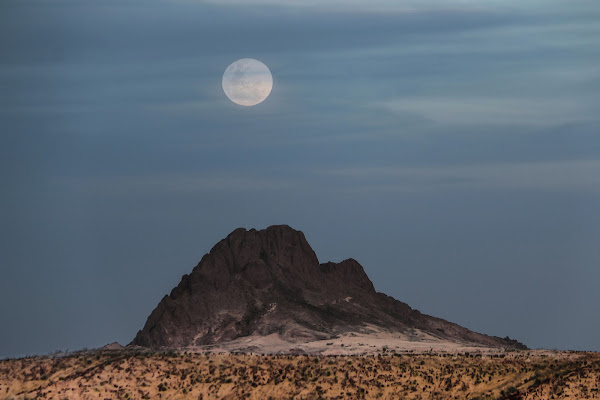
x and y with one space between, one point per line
270 281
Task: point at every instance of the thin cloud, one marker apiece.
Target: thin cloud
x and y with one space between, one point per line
478 110
174 183
383 5
559 175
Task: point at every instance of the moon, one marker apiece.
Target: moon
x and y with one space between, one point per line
247 82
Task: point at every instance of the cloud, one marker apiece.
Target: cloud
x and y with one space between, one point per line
383 6
583 176
557 175
182 183
482 110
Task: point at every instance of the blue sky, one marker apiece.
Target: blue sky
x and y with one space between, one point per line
451 147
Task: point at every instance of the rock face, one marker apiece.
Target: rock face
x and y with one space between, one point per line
270 281
112 346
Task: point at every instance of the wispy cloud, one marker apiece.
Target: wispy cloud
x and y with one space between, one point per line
559 175
545 176
174 183
481 110
387 5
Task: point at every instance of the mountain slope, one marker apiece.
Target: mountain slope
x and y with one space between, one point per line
271 282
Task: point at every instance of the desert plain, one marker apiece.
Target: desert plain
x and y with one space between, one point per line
386 373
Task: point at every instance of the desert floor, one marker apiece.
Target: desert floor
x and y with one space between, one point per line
372 341
129 374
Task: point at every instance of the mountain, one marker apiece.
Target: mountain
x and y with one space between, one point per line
269 283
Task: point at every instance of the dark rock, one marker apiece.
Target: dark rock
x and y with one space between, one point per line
112 346
270 281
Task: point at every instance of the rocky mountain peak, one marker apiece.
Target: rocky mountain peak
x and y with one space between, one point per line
269 281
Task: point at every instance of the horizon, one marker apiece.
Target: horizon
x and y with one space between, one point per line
450 147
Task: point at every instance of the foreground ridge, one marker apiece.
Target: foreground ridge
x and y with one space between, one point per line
265 291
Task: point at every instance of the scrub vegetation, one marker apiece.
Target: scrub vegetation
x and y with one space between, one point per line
127 374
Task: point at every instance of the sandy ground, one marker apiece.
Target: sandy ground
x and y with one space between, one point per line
128 374
370 341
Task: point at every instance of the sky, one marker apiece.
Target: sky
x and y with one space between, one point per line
451 147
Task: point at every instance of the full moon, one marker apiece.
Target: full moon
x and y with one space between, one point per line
247 82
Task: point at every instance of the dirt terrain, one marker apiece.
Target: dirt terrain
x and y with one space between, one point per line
129 374
369 340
